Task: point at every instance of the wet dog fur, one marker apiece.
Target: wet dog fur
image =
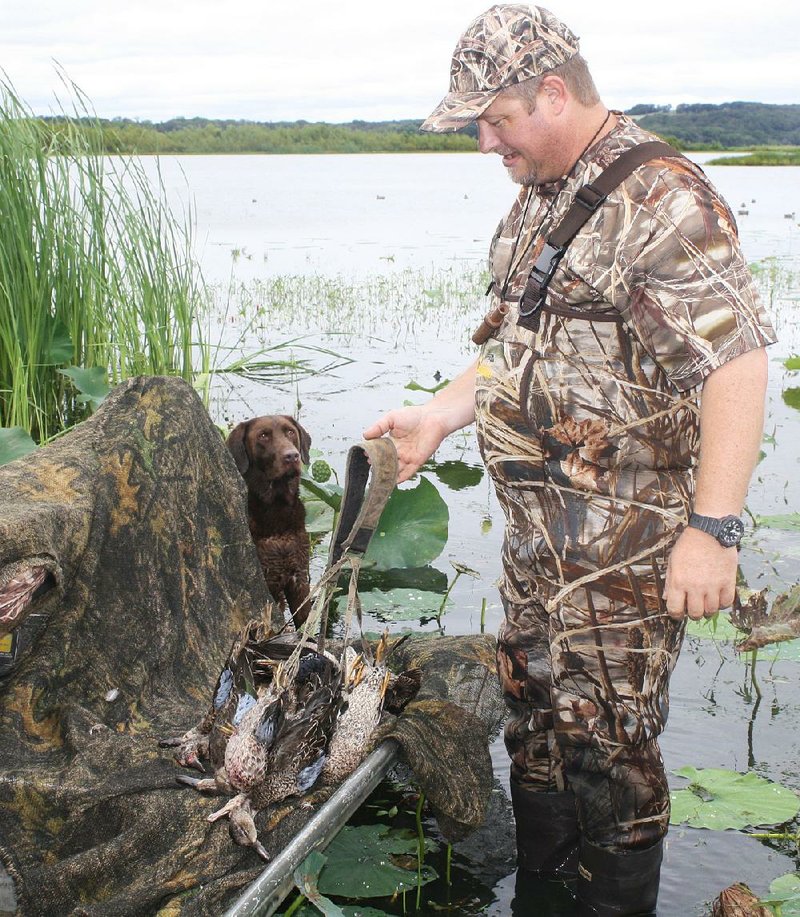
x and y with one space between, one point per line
269 452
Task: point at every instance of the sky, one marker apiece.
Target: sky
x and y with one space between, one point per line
319 60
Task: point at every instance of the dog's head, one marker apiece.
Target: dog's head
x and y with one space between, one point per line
275 445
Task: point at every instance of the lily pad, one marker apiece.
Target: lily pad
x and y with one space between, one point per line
92 383
786 522
401 604
14 444
720 799
60 349
412 530
305 878
360 863
791 397
784 892
349 910
792 363
456 475
720 628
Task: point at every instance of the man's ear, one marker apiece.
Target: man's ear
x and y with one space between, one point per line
555 92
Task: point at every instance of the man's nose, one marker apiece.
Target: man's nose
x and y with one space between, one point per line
487 138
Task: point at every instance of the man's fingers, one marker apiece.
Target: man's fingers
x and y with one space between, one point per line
377 429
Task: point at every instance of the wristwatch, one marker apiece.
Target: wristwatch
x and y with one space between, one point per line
728 530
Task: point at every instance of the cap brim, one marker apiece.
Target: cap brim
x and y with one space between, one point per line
457 110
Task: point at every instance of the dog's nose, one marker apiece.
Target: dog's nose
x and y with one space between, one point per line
291 457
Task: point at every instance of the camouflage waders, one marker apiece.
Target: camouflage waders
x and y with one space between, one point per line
589 429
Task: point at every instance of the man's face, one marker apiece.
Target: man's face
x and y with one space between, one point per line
523 138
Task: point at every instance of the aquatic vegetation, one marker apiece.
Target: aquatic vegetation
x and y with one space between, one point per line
95 272
720 799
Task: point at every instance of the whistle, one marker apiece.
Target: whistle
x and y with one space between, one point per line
491 322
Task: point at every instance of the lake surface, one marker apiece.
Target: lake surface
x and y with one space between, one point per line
389 228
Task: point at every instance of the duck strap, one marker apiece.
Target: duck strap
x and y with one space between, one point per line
370 477
375 461
588 200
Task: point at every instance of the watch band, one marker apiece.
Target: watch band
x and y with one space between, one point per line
728 530
708 524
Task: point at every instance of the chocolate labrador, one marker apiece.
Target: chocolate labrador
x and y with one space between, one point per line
268 452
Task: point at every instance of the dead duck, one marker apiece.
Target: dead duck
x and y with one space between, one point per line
369 688
266 736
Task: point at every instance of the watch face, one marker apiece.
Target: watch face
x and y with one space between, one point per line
731 531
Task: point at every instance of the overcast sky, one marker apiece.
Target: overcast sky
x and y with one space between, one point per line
336 61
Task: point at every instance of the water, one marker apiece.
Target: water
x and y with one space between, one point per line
347 218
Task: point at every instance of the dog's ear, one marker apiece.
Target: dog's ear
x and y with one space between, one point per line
305 441
237 444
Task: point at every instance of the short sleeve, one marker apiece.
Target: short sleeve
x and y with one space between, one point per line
680 281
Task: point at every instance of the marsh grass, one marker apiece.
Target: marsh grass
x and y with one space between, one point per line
94 270
400 307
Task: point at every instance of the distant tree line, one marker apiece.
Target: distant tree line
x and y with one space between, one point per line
728 126
702 126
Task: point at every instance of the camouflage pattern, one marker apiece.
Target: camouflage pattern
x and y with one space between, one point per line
589 428
507 44
138 517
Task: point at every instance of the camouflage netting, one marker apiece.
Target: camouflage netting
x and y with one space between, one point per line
137 517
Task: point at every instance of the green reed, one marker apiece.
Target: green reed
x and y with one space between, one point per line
94 270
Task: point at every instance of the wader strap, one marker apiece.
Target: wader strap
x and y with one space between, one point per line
587 201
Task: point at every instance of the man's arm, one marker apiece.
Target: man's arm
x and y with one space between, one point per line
701 574
419 430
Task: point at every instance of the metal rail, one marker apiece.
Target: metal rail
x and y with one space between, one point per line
265 895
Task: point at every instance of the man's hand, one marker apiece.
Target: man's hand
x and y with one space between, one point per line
701 576
416 433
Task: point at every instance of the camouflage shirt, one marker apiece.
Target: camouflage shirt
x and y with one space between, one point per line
662 251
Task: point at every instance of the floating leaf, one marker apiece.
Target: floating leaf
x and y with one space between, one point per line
92 383
330 494
456 475
319 517
787 522
360 863
306 876
720 799
413 386
784 892
720 627
349 910
400 604
14 444
791 397
792 362
412 530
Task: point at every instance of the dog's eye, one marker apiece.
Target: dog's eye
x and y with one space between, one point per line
290 432
265 434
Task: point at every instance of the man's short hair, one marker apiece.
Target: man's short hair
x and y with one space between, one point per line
576 76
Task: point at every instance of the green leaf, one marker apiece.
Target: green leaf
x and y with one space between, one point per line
400 604
412 530
720 799
720 627
349 910
413 386
92 383
305 878
61 348
14 443
785 893
330 494
319 517
787 522
456 475
360 866
791 397
792 362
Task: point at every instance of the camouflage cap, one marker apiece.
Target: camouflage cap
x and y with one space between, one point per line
507 44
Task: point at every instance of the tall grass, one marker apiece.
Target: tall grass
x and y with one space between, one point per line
94 270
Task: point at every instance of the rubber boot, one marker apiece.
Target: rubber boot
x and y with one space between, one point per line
618 884
547 832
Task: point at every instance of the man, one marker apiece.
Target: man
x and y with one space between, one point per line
589 416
